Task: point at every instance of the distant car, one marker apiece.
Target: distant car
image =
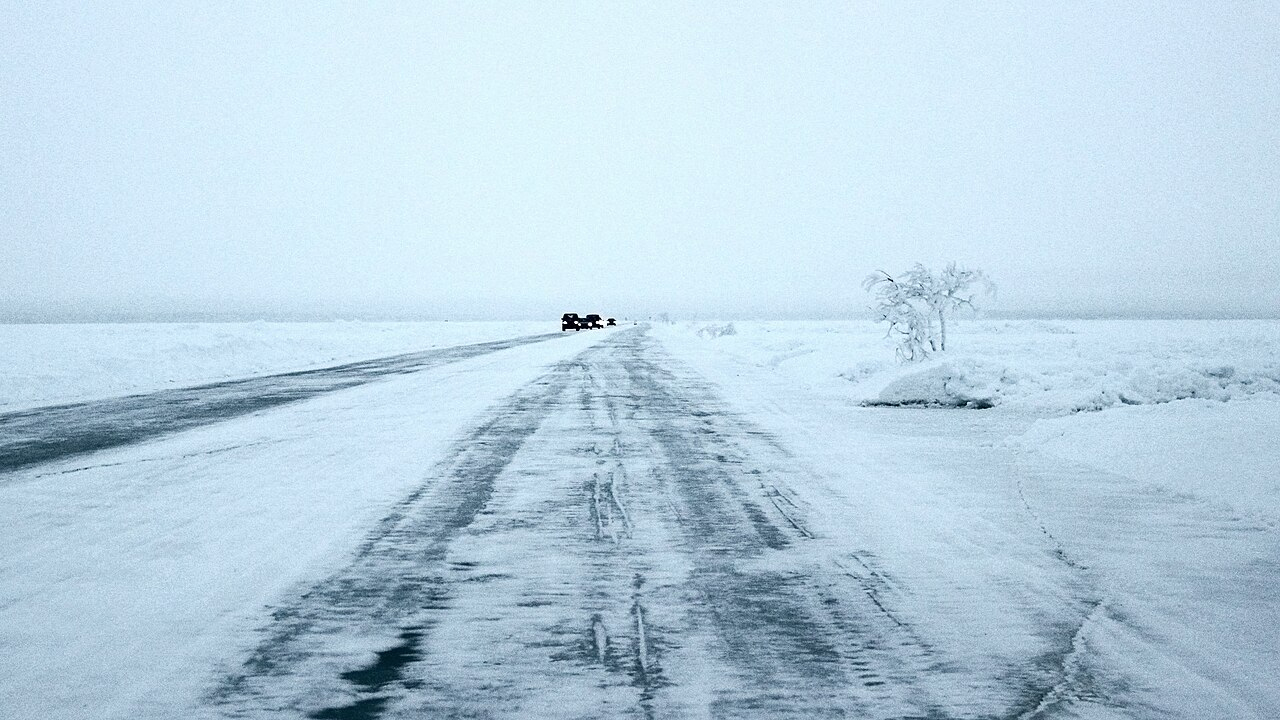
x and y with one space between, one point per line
611 323
591 322
570 321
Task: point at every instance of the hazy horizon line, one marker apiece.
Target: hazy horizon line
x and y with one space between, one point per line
176 317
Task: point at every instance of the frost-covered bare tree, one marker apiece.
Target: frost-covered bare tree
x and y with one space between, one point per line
916 305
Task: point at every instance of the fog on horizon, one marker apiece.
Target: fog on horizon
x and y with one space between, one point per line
516 159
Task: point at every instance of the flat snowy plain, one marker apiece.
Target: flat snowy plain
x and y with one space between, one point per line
689 520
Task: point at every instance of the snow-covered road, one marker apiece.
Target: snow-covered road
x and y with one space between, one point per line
611 525
34 436
610 535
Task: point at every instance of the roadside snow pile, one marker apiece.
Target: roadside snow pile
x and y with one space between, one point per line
1021 327
47 364
1042 385
964 383
1225 453
717 331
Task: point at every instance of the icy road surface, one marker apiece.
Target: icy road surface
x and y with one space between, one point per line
592 528
34 436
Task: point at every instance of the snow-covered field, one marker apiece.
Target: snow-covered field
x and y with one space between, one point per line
1101 542
1047 367
45 364
1188 406
1162 504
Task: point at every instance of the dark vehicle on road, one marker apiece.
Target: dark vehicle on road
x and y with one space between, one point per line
573 321
611 323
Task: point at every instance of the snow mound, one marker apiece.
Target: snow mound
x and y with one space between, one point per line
717 331
965 383
1222 452
1064 387
1129 383
1022 327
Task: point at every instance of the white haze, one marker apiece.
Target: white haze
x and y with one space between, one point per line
222 160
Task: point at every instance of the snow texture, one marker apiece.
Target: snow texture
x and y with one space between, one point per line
46 364
1024 561
130 575
1161 519
1048 367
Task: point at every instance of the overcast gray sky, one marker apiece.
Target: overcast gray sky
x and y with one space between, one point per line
725 158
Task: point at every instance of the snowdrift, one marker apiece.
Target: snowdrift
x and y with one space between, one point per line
1217 452
1034 384
1047 367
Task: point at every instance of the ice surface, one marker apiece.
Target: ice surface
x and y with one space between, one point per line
46 364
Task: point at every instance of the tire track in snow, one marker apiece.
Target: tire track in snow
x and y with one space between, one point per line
1070 677
1059 550
397 584
790 633
621 566
1075 682
610 542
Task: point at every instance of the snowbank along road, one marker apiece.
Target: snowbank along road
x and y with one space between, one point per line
610 538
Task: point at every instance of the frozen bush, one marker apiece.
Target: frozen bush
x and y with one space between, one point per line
917 303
